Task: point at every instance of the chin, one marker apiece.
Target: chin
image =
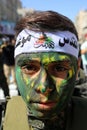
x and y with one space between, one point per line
43 114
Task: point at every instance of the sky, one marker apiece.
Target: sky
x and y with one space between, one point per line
69 8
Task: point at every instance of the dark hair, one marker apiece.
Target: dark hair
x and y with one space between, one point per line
46 21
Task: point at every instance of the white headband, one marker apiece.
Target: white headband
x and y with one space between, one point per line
61 41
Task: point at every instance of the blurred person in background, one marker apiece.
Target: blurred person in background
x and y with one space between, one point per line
81 80
84 53
3 81
8 59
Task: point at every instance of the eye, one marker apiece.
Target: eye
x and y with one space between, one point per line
30 68
58 69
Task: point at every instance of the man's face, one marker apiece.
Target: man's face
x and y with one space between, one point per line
46 81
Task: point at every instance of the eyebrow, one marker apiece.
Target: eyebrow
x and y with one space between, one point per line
21 62
61 62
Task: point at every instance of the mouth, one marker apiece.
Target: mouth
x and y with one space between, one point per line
44 105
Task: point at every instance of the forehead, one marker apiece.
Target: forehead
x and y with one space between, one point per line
44 57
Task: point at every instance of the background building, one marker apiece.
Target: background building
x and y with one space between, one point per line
8 16
11 11
8 9
24 11
81 24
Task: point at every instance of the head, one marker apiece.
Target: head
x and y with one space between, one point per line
13 41
5 40
46 62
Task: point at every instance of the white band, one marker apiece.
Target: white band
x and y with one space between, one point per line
61 41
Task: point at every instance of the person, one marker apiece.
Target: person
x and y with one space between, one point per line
3 81
46 66
3 86
84 53
8 59
81 80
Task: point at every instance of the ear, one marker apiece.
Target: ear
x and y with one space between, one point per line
78 67
79 63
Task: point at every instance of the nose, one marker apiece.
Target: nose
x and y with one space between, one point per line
45 83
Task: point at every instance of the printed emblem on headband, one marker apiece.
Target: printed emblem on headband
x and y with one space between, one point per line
44 41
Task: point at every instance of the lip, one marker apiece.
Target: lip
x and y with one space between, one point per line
44 106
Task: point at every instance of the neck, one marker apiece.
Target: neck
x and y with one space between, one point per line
59 122
56 123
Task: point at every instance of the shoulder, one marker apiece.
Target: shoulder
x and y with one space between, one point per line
80 112
16 114
77 119
79 102
17 100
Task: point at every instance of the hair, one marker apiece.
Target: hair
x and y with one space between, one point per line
45 21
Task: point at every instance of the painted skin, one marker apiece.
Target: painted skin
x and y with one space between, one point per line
45 81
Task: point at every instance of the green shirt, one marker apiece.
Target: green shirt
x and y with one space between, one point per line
16 115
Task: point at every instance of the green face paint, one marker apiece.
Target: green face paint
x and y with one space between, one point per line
46 81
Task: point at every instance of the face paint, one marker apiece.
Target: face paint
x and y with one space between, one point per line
46 81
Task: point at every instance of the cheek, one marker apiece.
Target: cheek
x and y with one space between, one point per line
62 81
26 79
22 83
71 72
